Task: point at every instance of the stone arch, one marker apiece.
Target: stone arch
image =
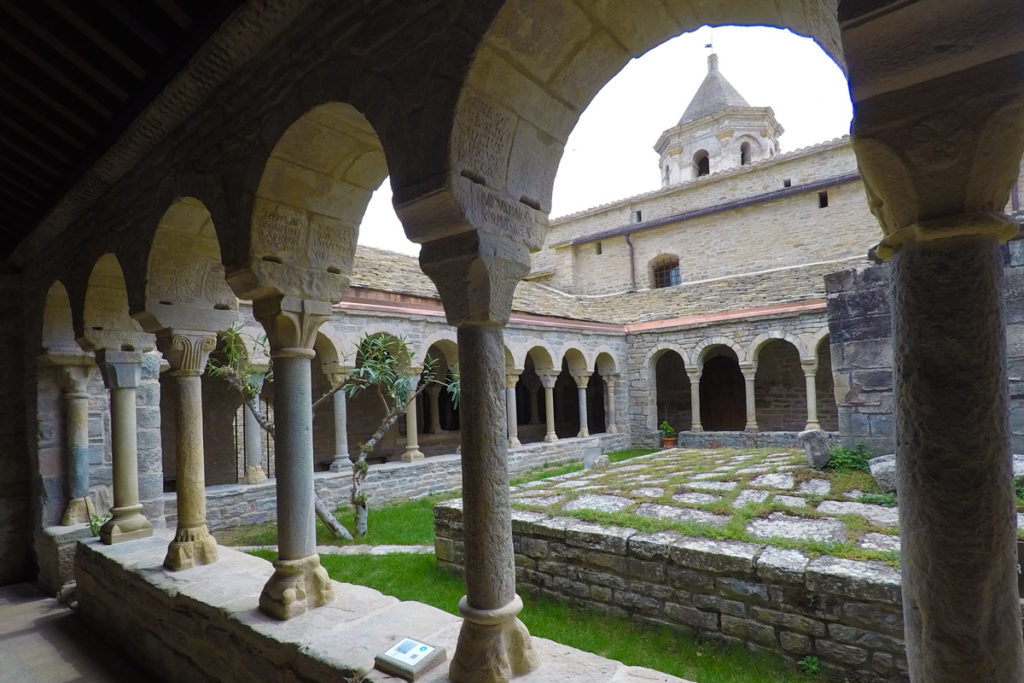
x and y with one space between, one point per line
106 323
446 342
58 333
438 412
809 350
701 163
707 346
824 383
649 376
671 390
760 340
604 363
314 188
576 360
541 357
184 269
722 387
780 393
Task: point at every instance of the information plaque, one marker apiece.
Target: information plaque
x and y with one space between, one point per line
409 659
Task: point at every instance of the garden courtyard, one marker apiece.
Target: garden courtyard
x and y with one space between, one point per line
738 532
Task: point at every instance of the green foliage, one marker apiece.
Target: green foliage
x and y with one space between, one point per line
849 459
810 665
667 430
885 499
96 522
1018 489
546 473
231 361
627 453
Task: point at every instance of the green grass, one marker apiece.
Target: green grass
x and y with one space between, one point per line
627 453
546 473
416 577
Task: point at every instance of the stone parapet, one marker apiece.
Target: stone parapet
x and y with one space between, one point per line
231 505
848 614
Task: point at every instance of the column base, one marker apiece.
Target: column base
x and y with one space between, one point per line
191 547
493 645
126 524
582 434
751 427
812 425
296 587
341 464
612 429
254 475
79 510
696 428
412 456
550 437
514 443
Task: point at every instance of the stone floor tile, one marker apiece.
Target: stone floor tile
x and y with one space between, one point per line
798 528
599 503
543 501
750 496
775 480
815 487
874 541
712 485
676 514
695 497
791 501
876 514
649 491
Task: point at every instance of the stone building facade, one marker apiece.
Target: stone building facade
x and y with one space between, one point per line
242 174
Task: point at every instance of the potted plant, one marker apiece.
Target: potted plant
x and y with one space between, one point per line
668 434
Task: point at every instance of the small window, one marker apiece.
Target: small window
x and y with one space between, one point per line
597 248
745 154
665 178
637 216
666 274
787 183
823 199
701 164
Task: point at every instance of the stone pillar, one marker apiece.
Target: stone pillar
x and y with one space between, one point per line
412 451
493 642
694 401
339 401
810 372
253 436
609 404
511 415
581 392
749 371
74 372
187 353
299 582
434 394
548 382
937 159
120 371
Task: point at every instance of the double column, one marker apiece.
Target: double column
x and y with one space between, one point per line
938 205
187 353
609 404
121 374
810 368
511 409
547 381
299 582
74 372
694 377
749 371
581 392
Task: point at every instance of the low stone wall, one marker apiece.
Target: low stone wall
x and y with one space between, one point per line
733 439
231 505
847 614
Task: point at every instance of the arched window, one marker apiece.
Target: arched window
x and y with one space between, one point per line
665 272
745 154
701 164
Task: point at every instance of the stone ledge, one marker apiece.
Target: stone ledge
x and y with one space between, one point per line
204 623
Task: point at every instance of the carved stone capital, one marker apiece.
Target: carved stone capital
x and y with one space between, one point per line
810 367
186 351
120 369
74 371
476 275
291 323
547 380
511 379
582 380
335 372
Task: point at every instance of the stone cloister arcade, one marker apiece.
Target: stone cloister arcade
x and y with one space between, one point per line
248 178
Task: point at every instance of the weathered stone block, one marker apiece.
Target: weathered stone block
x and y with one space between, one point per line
865 580
797 643
691 616
719 604
792 622
883 469
847 654
715 556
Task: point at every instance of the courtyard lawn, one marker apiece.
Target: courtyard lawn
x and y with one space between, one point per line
416 577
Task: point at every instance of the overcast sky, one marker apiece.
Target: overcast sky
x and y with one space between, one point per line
610 153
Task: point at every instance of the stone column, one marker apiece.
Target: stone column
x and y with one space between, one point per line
434 394
74 372
187 353
548 382
120 371
937 203
253 444
511 415
694 401
299 582
412 451
581 392
339 401
609 404
749 371
810 372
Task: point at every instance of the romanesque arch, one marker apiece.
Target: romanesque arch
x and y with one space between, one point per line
671 389
780 396
722 390
828 411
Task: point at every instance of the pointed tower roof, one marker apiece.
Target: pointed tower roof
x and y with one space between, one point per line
714 94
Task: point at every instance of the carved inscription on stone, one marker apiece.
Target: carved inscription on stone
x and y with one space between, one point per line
278 231
330 245
176 281
484 138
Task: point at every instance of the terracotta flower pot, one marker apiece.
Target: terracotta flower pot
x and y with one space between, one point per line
668 441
